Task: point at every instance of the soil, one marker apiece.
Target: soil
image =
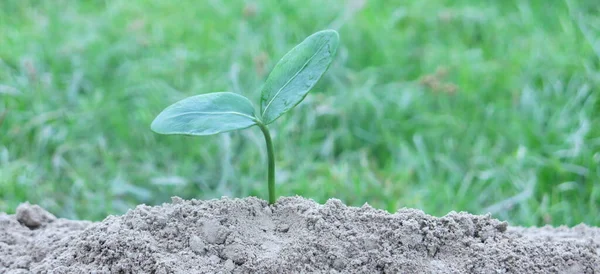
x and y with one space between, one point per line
295 235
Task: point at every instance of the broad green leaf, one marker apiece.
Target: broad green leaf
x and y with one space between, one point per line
206 114
296 73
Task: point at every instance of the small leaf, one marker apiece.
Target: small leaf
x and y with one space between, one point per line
206 114
296 73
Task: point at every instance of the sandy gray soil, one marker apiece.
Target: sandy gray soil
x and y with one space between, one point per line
293 236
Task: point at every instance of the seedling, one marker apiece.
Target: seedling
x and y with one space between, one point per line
286 86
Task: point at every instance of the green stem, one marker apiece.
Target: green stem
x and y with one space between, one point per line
271 156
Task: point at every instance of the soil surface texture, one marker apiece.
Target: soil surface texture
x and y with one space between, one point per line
295 235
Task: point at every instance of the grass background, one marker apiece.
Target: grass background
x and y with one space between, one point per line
479 106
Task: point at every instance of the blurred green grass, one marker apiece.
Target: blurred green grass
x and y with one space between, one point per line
479 106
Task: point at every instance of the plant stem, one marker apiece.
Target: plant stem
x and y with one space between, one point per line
271 157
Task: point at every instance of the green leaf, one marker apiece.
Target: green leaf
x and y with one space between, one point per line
296 73
206 114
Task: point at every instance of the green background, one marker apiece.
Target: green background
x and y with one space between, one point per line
479 106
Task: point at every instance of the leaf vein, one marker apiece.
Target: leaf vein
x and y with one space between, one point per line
213 113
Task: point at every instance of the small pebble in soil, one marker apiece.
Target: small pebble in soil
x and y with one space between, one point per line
33 216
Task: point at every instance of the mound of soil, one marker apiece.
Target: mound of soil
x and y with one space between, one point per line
295 235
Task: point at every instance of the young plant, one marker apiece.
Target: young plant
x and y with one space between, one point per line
286 86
